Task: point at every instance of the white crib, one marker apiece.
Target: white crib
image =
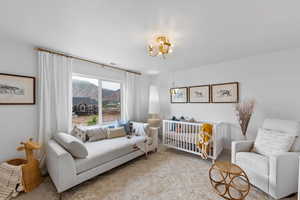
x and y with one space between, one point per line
185 135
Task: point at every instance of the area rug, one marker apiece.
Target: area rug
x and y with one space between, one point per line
165 175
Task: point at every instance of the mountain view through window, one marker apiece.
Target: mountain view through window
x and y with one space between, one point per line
86 101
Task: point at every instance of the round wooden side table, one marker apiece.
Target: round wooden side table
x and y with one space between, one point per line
229 181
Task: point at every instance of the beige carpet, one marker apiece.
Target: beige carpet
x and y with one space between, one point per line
166 175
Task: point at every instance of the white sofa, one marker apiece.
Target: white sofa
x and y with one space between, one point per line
276 175
67 171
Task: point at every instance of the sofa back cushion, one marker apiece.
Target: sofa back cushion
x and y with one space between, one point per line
116 132
286 126
96 133
72 144
90 133
270 142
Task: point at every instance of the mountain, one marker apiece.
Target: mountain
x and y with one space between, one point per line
87 89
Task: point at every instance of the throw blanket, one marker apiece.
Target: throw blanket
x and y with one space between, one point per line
10 181
141 129
204 139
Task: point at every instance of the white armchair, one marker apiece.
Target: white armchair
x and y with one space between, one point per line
276 175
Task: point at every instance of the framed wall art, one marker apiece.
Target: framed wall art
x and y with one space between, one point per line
17 90
199 94
225 93
179 95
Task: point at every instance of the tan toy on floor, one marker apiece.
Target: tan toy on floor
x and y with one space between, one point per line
30 171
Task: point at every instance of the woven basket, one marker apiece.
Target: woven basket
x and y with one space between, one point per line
31 174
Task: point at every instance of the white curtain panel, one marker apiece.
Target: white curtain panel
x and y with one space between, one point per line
141 98
129 96
55 95
136 97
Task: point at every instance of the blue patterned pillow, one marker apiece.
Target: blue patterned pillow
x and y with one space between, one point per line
124 124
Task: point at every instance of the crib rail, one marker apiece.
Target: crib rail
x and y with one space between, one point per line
184 136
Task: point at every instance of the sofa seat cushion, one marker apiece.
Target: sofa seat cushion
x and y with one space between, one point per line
256 167
250 160
103 151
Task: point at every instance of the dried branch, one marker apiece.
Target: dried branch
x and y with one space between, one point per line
244 111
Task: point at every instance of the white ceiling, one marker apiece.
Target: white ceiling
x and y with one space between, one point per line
203 31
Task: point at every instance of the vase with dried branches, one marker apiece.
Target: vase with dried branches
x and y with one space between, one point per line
244 111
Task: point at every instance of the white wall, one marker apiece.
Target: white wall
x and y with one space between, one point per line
272 79
17 122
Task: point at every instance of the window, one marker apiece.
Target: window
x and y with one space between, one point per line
87 102
111 101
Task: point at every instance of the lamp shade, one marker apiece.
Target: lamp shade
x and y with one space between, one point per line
154 107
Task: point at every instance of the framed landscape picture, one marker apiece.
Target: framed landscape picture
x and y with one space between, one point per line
225 93
179 95
17 90
199 94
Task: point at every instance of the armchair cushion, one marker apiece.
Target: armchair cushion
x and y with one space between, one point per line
253 161
286 126
256 167
270 142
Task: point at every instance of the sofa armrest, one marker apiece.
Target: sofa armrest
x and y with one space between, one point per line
153 133
60 165
240 146
283 174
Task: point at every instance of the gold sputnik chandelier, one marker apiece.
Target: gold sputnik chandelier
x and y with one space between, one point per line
160 46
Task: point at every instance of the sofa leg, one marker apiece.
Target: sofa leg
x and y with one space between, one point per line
60 196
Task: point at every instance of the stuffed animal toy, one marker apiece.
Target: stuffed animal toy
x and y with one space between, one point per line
204 139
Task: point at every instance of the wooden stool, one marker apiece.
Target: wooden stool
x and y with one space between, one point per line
229 181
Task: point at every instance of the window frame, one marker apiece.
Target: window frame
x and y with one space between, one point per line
100 79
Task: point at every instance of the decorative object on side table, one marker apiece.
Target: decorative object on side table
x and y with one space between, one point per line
225 93
179 95
244 111
199 94
229 181
17 90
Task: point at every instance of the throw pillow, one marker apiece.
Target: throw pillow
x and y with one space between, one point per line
116 132
125 125
96 133
73 145
79 133
296 145
270 142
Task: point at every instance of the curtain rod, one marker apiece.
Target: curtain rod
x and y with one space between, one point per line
86 60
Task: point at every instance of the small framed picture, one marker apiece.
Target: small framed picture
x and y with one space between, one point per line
225 93
199 94
17 90
179 95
